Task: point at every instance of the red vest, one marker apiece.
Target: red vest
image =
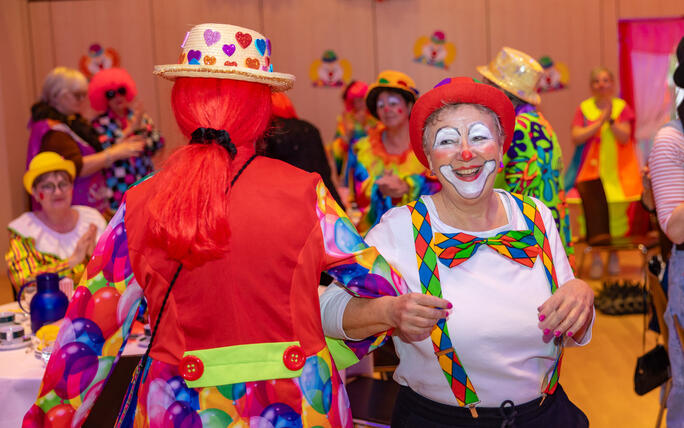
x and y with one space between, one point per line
264 290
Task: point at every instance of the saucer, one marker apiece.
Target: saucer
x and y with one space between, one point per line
26 341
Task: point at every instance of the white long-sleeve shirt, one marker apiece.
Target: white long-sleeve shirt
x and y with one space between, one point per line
493 325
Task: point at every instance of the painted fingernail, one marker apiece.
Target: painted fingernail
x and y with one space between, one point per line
449 305
546 331
569 334
542 317
557 333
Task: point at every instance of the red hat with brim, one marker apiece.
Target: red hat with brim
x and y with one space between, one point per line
459 90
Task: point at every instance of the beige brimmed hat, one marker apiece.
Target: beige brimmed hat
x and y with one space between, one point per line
222 51
45 162
516 72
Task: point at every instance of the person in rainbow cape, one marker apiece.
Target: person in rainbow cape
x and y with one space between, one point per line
602 130
491 301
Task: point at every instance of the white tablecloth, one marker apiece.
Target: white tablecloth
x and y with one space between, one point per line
20 376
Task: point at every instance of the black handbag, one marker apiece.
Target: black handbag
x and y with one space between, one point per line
652 370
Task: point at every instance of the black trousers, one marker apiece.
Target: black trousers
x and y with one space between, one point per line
412 410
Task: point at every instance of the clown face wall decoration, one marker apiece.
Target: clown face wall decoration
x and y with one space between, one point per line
330 71
434 50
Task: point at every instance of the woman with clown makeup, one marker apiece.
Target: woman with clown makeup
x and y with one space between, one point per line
383 170
491 300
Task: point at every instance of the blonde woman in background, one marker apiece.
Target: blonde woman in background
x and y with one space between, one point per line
56 125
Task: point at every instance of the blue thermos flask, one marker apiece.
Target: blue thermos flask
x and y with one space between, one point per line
49 304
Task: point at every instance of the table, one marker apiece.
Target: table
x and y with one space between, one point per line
21 373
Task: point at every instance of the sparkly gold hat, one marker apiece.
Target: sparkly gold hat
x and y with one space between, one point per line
516 72
224 51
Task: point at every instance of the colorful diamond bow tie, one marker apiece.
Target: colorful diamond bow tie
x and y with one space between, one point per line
455 248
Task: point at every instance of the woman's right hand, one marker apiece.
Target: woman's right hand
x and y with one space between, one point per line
84 246
127 148
414 315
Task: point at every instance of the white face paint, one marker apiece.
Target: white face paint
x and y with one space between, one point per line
392 100
469 189
478 135
468 181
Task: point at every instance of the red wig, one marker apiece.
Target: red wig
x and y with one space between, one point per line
282 106
189 209
110 79
356 89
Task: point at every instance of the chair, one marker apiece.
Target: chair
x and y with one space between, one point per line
597 221
385 360
659 300
372 401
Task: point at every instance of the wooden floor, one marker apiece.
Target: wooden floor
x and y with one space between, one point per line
598 377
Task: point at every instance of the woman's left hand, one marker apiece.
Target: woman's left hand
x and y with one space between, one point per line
569 311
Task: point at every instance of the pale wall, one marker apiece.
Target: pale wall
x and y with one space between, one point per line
372 35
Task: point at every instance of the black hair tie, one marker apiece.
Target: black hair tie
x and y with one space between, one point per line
209 135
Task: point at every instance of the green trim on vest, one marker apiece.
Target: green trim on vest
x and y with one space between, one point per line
242 363
341 354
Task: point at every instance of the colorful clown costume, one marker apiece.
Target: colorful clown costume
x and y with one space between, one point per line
604 157
493 349
368 161
533 166
348 131
240 342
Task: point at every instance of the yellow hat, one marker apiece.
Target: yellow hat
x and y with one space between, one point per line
390 79
46 162
516 72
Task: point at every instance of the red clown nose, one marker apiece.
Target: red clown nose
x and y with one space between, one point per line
466 155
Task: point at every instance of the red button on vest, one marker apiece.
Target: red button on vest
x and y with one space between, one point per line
294 358
191 368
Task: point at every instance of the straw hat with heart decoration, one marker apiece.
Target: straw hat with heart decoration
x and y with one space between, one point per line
224 51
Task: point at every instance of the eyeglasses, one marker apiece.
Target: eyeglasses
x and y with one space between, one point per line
112 92
50 187
79 95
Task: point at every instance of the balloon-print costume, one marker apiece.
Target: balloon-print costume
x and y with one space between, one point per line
211 365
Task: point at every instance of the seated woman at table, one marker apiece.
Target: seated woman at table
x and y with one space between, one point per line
59 237
496 256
